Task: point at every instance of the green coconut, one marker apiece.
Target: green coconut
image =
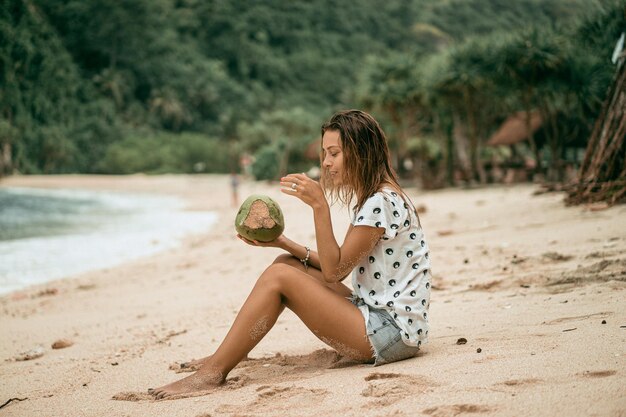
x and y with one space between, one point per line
260 218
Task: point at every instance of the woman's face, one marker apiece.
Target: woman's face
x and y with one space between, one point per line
333 155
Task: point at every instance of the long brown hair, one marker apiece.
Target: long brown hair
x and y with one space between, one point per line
366 159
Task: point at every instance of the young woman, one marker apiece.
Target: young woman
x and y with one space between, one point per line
385 317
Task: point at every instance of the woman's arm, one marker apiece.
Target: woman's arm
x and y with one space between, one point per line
335 261
288 245
300 252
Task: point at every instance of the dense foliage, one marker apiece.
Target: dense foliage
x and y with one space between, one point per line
192 85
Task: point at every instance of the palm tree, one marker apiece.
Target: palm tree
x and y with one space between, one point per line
602 176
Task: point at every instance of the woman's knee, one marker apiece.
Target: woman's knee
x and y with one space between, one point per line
287 259
275 275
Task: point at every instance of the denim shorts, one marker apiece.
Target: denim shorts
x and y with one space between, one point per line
385 336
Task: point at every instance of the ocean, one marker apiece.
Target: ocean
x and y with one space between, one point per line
49 234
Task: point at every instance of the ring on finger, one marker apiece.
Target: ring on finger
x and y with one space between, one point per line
294 186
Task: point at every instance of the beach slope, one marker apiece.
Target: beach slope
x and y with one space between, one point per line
528 317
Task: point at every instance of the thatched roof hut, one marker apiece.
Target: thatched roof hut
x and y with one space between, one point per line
514 129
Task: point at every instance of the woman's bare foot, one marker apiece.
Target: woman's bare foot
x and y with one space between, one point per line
194 365
204 379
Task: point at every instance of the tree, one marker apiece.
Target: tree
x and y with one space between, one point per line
602 175
389 85
461 80
278 140
44 98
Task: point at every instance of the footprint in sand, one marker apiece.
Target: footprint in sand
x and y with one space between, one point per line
388 388
455 410
278 398
560 320
135 396
597 374
520 382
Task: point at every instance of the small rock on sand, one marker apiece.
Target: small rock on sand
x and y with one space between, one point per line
30 354
461 341
62 344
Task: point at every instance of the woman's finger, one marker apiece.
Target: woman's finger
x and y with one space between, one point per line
295 178
248 241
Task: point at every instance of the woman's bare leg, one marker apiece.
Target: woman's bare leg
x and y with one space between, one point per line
329 315
290 260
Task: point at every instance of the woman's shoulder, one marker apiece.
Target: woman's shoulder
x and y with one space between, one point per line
381 198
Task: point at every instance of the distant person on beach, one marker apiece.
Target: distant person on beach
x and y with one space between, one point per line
234 186
385 317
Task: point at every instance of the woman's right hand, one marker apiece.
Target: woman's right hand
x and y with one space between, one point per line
276 243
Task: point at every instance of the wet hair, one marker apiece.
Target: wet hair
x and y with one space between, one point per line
366 159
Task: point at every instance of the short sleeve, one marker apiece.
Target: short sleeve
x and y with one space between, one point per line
380 211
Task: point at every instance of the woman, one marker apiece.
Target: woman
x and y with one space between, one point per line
385 317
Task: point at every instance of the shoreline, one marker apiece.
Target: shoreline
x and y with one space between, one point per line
523 278
76 231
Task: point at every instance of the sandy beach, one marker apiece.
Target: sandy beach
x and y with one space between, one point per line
536 290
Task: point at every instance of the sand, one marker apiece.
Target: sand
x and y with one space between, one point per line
537 289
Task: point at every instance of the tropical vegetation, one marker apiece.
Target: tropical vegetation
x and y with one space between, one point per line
155 86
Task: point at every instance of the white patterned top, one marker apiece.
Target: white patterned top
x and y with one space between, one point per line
395 276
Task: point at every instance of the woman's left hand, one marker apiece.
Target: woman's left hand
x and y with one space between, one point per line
303 187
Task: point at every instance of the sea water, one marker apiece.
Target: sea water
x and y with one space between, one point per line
50 234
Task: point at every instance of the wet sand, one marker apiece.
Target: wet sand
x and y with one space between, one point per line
537 289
